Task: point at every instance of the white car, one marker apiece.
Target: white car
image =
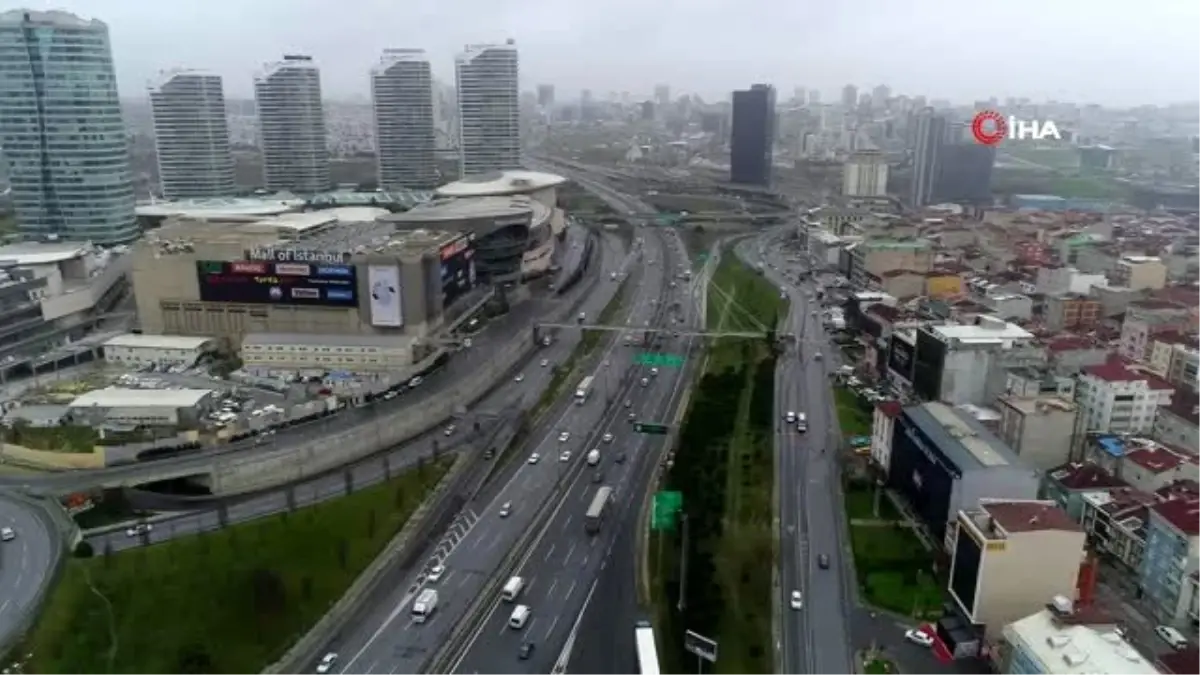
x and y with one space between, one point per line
7 534
449 430
519 378
139 529
790 417
327 662
797 601
564 456
506 509
564 437
545 362
919 637
607 438
435 574
535 458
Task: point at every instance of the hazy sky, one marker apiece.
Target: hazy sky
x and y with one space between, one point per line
1117 52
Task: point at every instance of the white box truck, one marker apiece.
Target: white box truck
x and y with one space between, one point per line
424 605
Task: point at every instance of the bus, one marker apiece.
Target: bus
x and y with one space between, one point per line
595 512
647 653
584 390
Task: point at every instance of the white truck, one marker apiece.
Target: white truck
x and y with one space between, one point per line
584 390
424 605
593 457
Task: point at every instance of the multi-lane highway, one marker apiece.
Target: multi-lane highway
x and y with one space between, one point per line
816 637
562 568
509 395
24 562
385 639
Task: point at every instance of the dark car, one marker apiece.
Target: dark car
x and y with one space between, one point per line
525 651
620 458
823 561
598 477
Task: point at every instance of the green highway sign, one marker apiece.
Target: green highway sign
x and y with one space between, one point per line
666 508
650 428
659 360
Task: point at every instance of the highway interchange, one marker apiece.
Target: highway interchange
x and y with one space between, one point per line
581 587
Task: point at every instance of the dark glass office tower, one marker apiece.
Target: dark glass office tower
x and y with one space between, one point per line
965 173
752 135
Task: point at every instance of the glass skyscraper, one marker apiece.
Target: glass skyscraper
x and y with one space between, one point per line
61 130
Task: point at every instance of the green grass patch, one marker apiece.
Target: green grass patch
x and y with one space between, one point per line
756 302
895 572
854 419
879 667
860 504
231 601
70 438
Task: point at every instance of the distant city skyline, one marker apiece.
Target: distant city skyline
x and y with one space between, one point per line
915 47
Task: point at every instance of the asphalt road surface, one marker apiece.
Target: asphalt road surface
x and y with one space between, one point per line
562 569
374 470
385 638
815 638
24 562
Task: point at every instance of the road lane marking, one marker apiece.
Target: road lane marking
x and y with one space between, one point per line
570 552
549 553
550 630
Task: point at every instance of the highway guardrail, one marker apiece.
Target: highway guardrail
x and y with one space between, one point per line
440 662
307 649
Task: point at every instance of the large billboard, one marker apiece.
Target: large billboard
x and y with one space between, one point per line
270 283
457 268
383 282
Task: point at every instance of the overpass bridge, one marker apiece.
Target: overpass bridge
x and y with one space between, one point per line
694 217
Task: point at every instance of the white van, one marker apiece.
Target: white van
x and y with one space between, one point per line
519 617
512 589
1171 636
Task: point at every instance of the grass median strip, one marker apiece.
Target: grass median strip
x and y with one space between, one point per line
231 601
724 468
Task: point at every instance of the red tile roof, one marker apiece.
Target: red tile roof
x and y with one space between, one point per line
1068 343
1185 660
1184 295
1029 516
1156 304
1085 477
1155 460
1184 514
1183 405
890 408
1184 488
1116 371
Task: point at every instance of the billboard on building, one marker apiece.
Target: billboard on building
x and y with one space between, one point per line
457 268
260 282
383 283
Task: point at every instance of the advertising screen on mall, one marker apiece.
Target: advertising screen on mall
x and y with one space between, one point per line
458 269
254 282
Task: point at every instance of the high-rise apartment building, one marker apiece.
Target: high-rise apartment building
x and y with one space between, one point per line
61 128
402 101
849 96
545 95
291 123
662 95
191 135
865 174
488 108
752 135
929 134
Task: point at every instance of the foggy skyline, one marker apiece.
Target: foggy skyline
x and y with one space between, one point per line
1106 52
